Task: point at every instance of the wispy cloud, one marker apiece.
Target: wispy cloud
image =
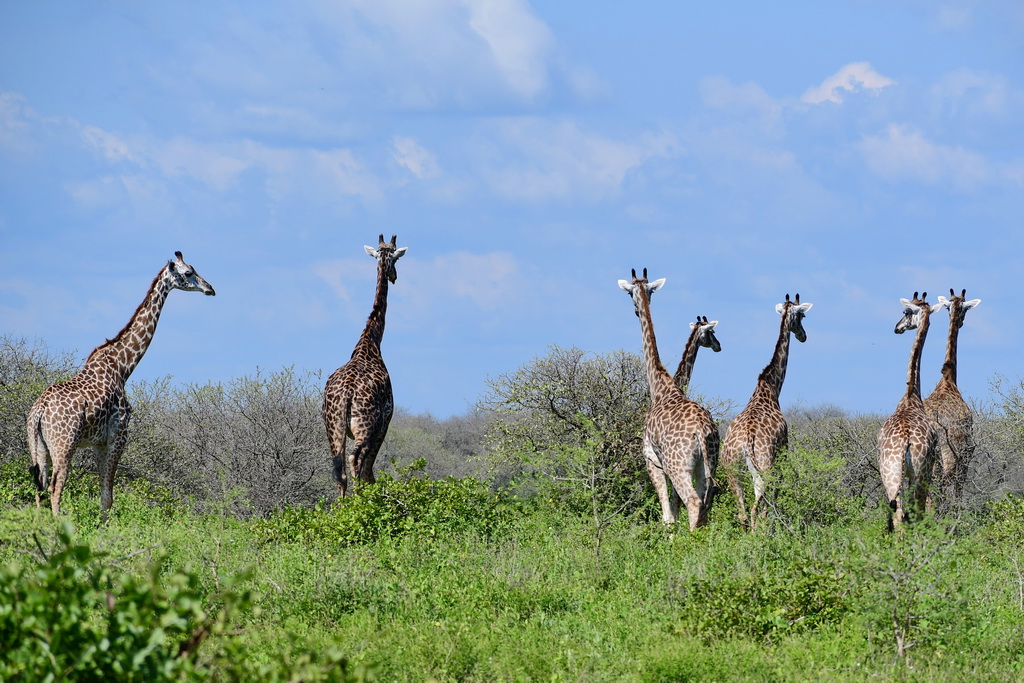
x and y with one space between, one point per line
414 157
905 154
558 159
851 78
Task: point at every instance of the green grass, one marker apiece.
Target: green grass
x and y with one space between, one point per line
458 584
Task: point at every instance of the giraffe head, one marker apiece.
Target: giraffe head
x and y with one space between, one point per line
184 277
914 312
387 254
705 332
793 313
958 305
639 288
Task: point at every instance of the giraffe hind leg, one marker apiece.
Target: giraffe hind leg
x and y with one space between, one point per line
57 481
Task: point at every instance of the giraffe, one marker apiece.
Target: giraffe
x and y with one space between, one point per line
760 432
909 439
947 407
702 333
680 437
358 401
91 408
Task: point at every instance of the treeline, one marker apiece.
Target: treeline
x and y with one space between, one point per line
568 421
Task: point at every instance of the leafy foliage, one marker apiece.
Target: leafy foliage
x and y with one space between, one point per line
73 615
392 508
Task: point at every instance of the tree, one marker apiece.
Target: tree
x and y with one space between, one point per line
25 372
566 400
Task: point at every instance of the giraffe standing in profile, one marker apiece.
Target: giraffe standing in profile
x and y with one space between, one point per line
358 402
680 437
760 431
702 333
91 408
909 439
947 407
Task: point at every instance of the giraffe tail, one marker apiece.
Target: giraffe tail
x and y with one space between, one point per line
37 452
709 475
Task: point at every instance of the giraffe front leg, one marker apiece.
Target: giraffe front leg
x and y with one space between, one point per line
107 461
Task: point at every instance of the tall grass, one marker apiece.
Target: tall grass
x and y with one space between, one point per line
537 593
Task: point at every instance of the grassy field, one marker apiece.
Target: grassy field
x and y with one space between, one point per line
418 580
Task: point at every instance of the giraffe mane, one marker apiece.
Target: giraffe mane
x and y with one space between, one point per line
117 337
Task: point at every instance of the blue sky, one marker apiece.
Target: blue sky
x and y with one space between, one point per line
528 155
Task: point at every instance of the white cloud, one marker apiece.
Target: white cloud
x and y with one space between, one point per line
411 155
209 164
977 94
558 160
112 147
519 42
718 92
433 54
852 78
953 18
489 281
15 120
904 154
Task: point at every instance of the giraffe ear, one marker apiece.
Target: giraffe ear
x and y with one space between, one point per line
656 285
693 325
713 324
370 250
936 307
400 252
779 308
805 307
968 305
943 301
625 286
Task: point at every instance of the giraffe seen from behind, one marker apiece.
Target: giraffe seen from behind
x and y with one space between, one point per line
909 439
759 432
358 400
946 406
91 408
680 439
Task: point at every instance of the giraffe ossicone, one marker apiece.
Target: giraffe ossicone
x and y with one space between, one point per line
91 408
358 398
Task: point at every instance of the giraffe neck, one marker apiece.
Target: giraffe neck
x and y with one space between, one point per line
374 331
914 367
949 366
685 369
774 374
123 353
658 379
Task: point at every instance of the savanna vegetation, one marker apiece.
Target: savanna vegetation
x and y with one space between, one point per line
518 542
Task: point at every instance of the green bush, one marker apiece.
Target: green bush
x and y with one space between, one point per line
764 604
805 488
392 508
73 615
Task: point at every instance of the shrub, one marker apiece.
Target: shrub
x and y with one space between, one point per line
806 488
73 615
25 372
392 508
